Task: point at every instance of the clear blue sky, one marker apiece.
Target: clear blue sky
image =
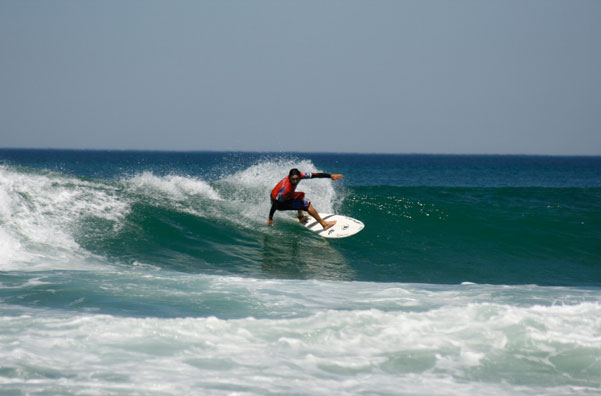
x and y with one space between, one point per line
513 77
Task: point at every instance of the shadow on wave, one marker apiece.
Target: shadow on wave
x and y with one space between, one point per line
173 240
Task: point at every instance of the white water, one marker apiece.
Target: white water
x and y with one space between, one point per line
306 338
41 212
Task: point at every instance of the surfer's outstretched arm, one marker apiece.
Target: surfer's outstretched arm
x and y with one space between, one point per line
334 177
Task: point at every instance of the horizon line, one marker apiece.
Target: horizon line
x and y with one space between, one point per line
292 152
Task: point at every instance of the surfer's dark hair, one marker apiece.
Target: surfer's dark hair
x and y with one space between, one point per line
294 172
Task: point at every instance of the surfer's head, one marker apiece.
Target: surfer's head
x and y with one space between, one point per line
294 176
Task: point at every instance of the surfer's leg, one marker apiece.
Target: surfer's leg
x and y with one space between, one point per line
316 216
302 217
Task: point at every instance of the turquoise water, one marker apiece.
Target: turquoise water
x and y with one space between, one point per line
155 273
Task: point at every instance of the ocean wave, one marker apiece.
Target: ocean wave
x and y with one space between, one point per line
40 213
56 221
327 337
413 234
155 273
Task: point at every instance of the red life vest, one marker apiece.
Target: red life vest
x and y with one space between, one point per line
284 190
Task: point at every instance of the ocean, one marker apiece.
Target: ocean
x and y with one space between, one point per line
155 273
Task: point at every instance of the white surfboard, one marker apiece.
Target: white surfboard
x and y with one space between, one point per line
344 227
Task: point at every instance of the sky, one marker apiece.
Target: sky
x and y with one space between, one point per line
458 77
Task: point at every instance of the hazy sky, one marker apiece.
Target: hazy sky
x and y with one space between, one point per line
521 77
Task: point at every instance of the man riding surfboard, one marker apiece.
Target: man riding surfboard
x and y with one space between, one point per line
284 196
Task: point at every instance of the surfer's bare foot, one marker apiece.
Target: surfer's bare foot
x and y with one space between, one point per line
328 224
303 219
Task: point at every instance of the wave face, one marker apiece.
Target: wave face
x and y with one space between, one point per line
502 235
155 273
446 234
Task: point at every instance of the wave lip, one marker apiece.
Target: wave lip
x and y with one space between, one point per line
41 211
173 186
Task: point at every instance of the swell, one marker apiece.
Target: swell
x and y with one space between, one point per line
177 222
529 235
485 235
545 236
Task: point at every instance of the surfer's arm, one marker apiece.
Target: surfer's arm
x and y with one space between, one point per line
325 176
271 212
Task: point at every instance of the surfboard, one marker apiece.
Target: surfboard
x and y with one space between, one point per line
344 227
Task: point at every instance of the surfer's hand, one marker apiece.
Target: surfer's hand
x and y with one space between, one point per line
270 222
336 177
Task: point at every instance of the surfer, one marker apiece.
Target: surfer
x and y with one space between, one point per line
284 197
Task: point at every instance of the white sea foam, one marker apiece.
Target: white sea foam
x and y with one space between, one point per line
39 213
452 351
10 247
318 338
173 186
